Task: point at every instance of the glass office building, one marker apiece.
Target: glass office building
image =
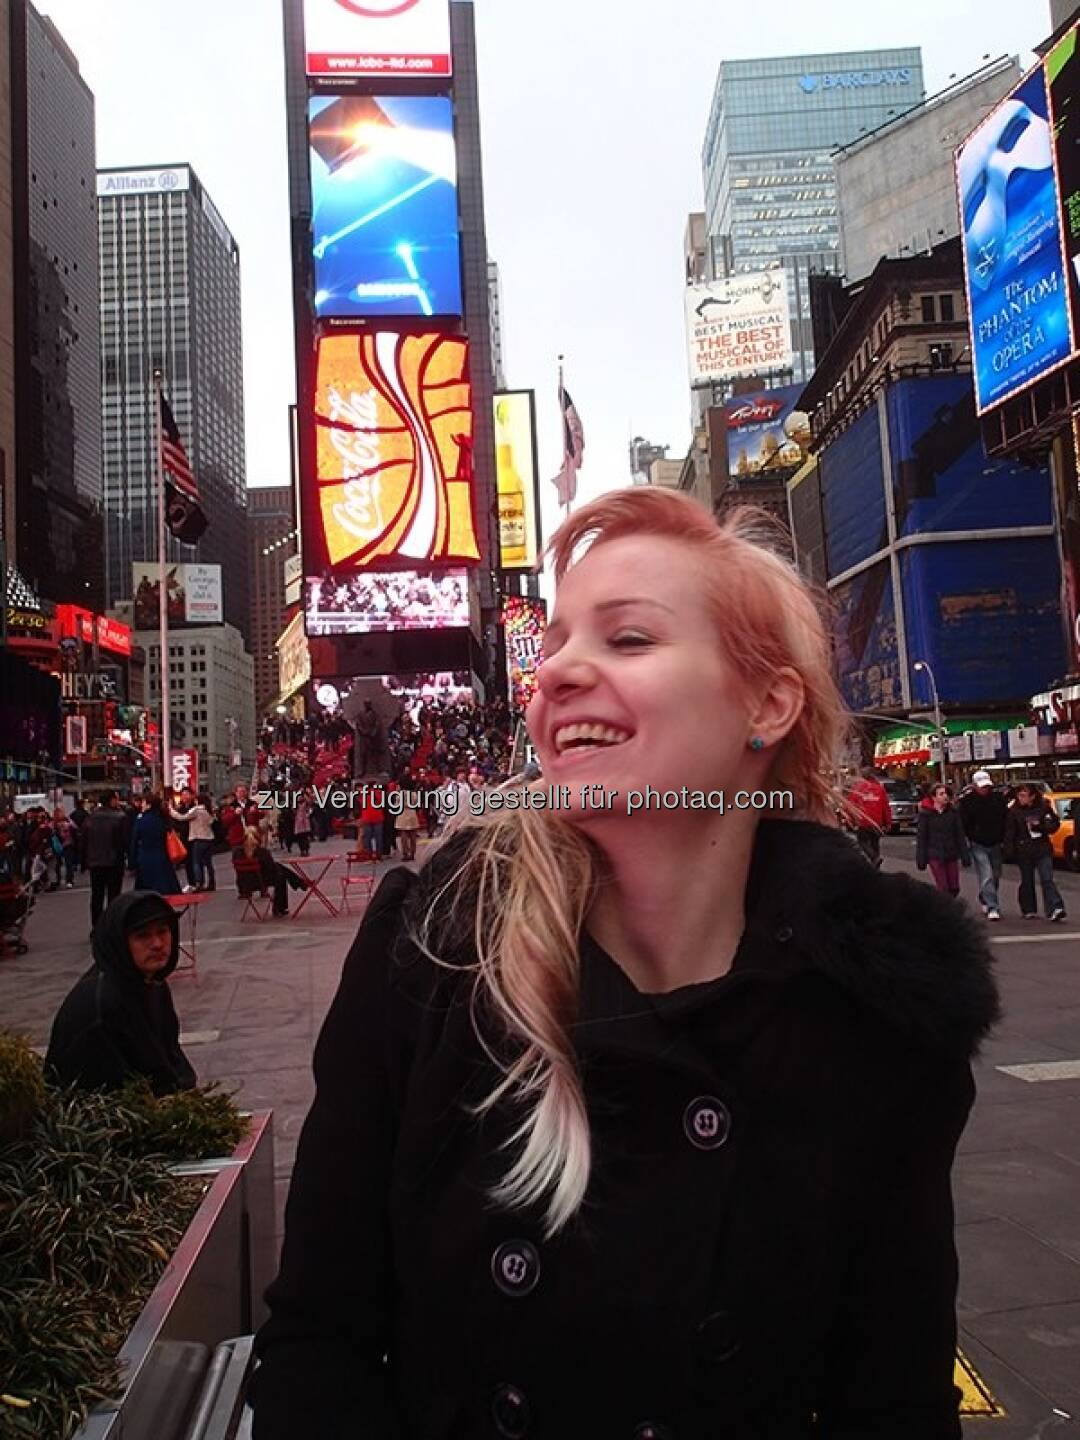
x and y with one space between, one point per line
170 300
770 188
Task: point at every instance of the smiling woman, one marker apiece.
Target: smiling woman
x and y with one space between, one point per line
673 1087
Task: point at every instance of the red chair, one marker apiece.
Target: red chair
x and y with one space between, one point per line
250 886
360 874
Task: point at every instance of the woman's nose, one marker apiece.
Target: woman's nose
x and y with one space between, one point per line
567 670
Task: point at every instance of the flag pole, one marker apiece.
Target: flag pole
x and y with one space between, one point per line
562 417
163 595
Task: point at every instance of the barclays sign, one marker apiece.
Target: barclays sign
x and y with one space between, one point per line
855 79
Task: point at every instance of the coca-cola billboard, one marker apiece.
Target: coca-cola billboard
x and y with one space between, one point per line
394 484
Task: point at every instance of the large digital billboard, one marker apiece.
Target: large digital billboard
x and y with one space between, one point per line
365 604
1017 287
517 475
766 435
738 327
393 485
385 233
1063 78
403 38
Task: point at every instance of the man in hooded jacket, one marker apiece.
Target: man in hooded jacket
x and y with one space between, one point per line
119 1023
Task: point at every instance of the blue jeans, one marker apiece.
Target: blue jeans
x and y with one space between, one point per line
987 860
1043 866
202 862
373 837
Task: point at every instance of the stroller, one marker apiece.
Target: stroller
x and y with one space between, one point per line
16 907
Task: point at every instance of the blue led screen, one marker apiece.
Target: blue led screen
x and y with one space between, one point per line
385 235
853 495
986 615
942 478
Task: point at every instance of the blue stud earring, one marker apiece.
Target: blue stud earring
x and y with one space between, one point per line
757 743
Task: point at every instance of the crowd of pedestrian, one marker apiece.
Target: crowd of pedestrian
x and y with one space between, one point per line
985 826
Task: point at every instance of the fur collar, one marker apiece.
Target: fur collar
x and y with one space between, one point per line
915 957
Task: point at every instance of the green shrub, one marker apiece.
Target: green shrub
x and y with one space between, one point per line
196 1124
22 1086
90 1213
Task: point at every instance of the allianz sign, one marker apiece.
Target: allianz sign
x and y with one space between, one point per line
855 79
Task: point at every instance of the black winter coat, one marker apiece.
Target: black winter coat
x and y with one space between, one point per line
114 1027
1028 830
939 835
766 1249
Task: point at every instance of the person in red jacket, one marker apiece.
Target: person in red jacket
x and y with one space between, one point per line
870 814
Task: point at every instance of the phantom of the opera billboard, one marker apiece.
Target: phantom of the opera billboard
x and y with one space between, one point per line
1011 216
385 239
393 487
406 39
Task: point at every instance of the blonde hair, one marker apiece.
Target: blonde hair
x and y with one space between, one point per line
527 877
252 840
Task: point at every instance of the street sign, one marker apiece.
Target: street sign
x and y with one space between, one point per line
184 770
76 735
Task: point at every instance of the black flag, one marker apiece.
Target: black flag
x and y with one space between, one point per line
183 508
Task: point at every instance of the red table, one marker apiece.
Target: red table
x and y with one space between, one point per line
181 903
314 881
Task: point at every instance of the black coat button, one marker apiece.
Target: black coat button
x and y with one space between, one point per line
707 1122
718 1337
649 1431
515 1268
784 934
510 1412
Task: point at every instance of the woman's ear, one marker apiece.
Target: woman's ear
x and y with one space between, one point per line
778 707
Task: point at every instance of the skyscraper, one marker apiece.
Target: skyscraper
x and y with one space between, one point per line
770 187
170 301
7 297
272 539
57 358
498 364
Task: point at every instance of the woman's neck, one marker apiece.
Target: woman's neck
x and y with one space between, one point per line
670 907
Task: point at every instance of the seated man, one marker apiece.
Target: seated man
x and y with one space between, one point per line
118 1022
270 876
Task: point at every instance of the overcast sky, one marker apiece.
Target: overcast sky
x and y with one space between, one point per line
593 115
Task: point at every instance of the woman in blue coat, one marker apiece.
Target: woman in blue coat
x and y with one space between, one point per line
149 857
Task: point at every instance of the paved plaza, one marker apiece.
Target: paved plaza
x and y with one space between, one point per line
253 1010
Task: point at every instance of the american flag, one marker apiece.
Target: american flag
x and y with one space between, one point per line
183 507
573 448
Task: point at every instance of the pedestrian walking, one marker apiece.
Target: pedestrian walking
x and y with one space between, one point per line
983 814
407 823
302 823
1031 822
198 817
940 841
149 850
870 813
68 853
677 1091
104 853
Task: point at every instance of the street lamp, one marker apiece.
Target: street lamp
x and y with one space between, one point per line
924 666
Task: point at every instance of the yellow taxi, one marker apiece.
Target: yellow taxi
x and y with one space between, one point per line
1064 840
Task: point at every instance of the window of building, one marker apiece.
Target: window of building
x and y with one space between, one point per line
929 309
947 307
941 357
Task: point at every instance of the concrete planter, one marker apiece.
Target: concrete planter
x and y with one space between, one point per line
210 1292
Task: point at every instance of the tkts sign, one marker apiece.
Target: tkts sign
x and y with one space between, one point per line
402 38
184 770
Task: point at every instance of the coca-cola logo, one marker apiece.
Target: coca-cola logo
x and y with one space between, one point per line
754 412
378 9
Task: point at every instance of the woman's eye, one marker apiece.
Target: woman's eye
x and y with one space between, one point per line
630 640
